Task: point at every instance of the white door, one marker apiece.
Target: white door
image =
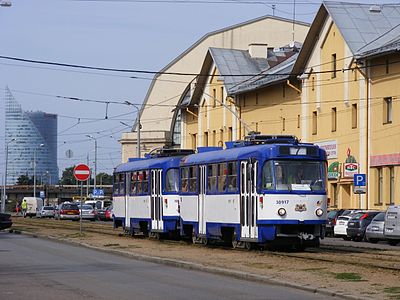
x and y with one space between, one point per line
156 201
248 199
201 201
127 182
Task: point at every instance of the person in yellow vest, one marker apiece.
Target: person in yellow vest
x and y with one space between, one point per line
24 206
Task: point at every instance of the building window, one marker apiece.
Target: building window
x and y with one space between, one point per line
194 141
387 66
222 96
391 172
214 97
256 98
334 119
283 90
380 185
354 115
221 138
312 83
314 122
214 138
335 195
387 110
230 134
205 139
334 66
298 121
283 124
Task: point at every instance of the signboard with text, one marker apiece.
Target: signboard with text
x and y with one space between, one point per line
349 169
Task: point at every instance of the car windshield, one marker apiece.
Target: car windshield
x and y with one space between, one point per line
48 208
87 207
284 175
379 217
343 218
70 206
332 214
357 215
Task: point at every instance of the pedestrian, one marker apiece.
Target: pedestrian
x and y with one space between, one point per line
17 208
24 206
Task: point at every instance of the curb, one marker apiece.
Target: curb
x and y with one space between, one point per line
199 267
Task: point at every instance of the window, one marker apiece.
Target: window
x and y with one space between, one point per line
354 115
222 172
267 179
214 138
256 98
333 119
387 110
283 124
205 139
189 179
391 196
119 187
145 181
230 134
232 177
283 90
334 66
313 83
387 66
314 122
212 177
214 97
380 186
222 96
194 141
335 194
221 138
171 180
133 189
298 121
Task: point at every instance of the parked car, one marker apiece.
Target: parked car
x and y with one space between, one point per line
340 229
392 225
109 213
88 213
5 221
101 210
374 231
358 223
331 220
67 211
46 212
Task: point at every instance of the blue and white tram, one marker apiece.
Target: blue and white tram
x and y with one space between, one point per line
146 193
263 189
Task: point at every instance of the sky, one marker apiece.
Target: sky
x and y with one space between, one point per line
130 34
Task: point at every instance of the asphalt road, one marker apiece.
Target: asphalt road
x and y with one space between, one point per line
33 268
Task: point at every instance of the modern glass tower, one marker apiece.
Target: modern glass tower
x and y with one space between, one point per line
30 130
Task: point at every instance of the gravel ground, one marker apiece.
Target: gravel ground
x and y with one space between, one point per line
340 276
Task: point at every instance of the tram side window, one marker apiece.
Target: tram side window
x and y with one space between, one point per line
139 182
117 180
232 177
185 180
145 182
222 172
193 179
133 190
212 177
121 184
171 180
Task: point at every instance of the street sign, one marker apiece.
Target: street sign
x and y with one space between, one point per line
81 172
360 190
360 180
98 193
41 194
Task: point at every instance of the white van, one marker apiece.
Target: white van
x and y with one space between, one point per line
99 204
392 225
34 204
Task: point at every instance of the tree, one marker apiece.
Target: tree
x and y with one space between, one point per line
103 179
24 180
67 177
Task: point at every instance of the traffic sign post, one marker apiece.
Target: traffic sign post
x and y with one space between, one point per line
81 173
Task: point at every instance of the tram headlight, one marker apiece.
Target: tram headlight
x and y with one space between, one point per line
319 212
281 211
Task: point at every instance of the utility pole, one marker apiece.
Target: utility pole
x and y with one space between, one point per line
138 125
3 202
34 168
95 159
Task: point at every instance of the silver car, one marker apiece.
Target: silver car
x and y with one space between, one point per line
88 212
46 212
374 231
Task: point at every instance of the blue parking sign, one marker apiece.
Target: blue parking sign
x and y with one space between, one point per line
360 180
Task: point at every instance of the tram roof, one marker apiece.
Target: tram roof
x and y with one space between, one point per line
149 163
245 152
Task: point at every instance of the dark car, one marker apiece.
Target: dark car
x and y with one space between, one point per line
5 221
331 219
358 224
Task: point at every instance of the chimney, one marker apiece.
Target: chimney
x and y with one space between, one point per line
257 50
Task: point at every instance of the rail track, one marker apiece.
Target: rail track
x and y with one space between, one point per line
366 257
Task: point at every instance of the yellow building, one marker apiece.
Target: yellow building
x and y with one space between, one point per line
331 98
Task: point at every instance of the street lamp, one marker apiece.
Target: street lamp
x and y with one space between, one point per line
138 125
34 168
3 202
95 159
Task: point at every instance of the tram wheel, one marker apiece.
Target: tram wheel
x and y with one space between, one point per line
248 246
235 244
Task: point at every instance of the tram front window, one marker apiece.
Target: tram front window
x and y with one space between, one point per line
293 175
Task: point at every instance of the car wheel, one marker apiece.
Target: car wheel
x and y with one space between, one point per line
393 242
346 238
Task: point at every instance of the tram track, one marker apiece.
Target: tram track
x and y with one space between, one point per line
368 258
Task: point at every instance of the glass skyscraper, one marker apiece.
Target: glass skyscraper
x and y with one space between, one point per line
30 130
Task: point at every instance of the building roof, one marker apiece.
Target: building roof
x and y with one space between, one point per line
364 27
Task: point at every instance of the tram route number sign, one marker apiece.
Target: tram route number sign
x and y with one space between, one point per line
81 172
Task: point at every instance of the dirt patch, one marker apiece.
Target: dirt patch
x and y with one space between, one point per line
342 277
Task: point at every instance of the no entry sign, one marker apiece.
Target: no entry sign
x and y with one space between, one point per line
81 172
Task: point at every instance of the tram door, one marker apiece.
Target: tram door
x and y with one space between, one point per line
156 201
248 199
201 201
127 182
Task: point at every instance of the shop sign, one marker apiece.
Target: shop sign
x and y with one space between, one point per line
330 147
333 171
349 169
